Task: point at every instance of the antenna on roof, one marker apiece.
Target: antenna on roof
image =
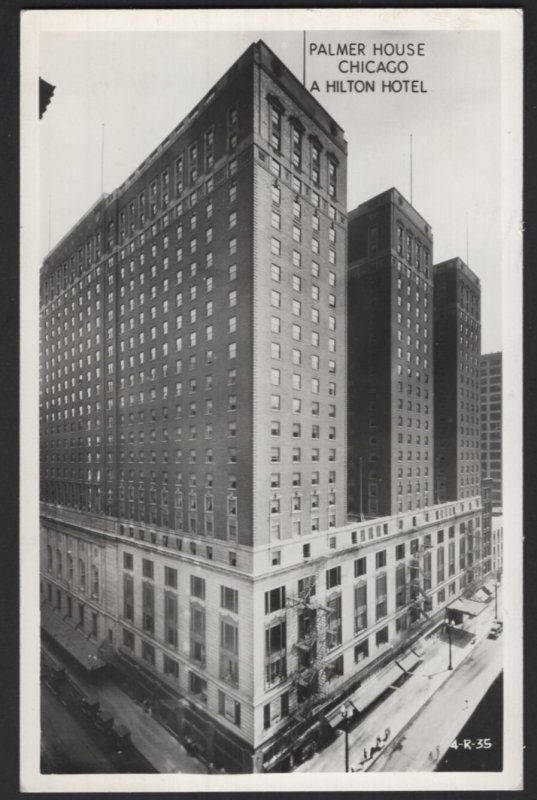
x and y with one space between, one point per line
410 169
304 58
102 157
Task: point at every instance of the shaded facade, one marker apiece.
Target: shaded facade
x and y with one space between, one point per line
457 348
490 375
390 343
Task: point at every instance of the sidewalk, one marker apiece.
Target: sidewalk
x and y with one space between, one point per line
422 744
400 708
158 746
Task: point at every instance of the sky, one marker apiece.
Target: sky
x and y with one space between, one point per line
141 84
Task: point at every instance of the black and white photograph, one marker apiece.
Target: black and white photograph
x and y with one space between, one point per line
272 513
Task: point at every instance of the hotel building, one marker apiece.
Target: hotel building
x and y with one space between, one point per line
390 364
194 528
457 348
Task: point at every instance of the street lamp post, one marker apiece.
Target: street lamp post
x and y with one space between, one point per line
345 713
449 626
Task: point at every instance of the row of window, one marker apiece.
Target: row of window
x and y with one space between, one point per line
296 154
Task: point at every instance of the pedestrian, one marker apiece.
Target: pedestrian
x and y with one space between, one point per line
386 734
371 752
431 756
365 754
379 740
437 752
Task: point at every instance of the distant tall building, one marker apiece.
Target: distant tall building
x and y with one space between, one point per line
390 362
457 347
491 423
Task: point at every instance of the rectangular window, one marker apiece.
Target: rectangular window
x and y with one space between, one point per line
128 597
229 599
333 577
229 708
148 607
361 651
275 600
229 652
171 623
197 634
197 587
276 652
381 596
335 668
400 586
198 687
440 565
275 128
360 567
380 559
332 179
315 161
147 568
360 607
296 148
381 637
275 246
148 652
171 668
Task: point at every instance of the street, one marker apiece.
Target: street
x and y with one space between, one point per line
148 736
445 715
66 747
406 705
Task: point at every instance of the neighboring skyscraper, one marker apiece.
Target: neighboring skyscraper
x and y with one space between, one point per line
491 423
457 347
193 383
390 396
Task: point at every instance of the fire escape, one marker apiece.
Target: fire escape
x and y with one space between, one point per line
419 568
474 558
314 640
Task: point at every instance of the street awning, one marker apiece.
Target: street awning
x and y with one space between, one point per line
375 686
408 661
334 717
83 650
470 607
485 592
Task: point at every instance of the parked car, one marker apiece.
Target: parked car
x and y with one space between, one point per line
495 631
